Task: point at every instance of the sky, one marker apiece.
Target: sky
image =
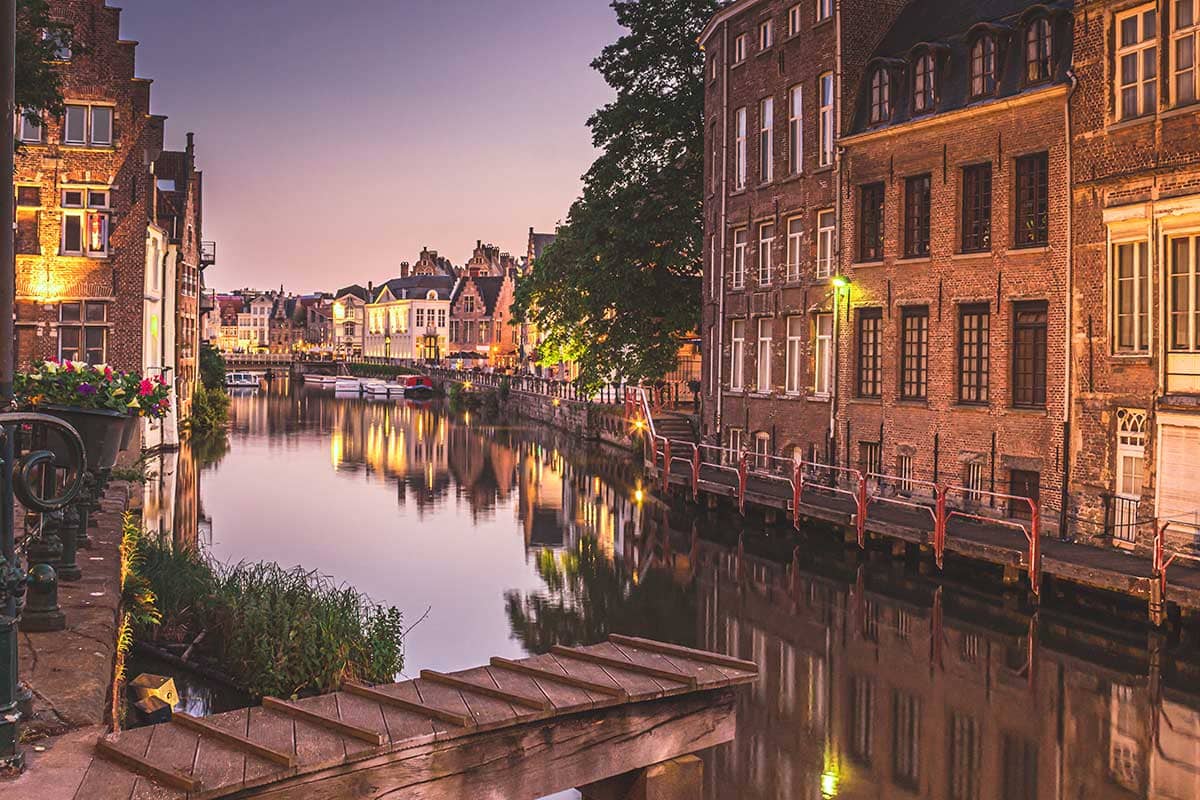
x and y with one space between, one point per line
339 138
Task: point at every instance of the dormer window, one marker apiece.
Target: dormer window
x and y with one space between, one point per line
1039 45
983 67
881 96
924 95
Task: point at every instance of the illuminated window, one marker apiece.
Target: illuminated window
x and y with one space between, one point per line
765 330
795 237
737 355
1131 297
983 67
823 355
85 222
881 96
924 91
1033 200
739 258
29 130
1039 51
794 356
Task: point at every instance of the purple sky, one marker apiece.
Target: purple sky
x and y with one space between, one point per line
338 138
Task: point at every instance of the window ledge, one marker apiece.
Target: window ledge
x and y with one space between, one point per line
1179 111
972 255
1132 122
1131 358
765 51
913 402
867 264
738 192
1028 411
979 408
737 64
914 260
823 397
1032 250
823 168
865 401
823 22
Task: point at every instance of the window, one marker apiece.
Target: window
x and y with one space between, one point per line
826 225
739 258
881 96
469 304
1131 452
977 208
823 355
766 243
1022 483
796 130
795 237
737 355
914 353
714 66
1033 190
714 171
736 436
795 344
983 67
765 327
862 719
83 332
1020 768
974 353
906 733
1131 298
870 352
924 95
965 739
740 149
713 255
29 130
1029 354
1185 33
1184 293
870 222
1137 62
794 20
1039 45
824 9
916 216
85 222
739 49
88 125
62 50
870 461
762 450
904 471
973 480
766 140
825 119
766 34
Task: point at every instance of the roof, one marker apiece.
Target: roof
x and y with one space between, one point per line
488 287
950 27
538 242
417 286
355 290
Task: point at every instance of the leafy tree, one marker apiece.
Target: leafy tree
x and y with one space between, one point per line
42 43
621 283
212 367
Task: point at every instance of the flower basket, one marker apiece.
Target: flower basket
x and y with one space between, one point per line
102 432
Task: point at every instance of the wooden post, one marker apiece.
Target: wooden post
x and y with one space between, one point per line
679 779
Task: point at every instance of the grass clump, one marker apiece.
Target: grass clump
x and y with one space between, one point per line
275 631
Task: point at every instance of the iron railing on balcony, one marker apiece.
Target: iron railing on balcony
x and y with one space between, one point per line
208 254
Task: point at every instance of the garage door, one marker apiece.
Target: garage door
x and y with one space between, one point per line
1179 474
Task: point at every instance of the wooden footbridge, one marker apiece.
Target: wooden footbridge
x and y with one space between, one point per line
513 729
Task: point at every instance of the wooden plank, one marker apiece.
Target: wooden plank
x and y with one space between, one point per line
207 729
169 778
461 720
708 676
537 704
171 749
689 653
561 677
108 780
566 699
640 687
444 697
271 730
492 712
320 720
317 746
408 728
629 666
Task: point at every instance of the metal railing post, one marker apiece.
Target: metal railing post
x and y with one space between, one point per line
743 469
797 492
939 529
861 517
695 471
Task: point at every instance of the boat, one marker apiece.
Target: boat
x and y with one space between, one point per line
242 380
382 389
418 386
347 385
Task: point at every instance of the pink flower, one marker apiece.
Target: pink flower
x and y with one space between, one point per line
162 379
108 373
68 366
146 387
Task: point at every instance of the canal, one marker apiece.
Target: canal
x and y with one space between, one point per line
880 678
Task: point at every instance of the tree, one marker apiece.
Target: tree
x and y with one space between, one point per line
621 283
42 45
212 367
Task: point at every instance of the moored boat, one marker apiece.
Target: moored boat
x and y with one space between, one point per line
418 386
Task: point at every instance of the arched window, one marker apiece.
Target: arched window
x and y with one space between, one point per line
1039 44
983 67
881 96
923 83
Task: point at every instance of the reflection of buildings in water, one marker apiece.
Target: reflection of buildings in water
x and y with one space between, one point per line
171 496
865 695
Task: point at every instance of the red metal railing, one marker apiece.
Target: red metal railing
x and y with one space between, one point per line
974 498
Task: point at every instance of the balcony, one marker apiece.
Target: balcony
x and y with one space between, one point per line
208 254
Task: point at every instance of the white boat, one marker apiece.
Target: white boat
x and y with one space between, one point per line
345 385
320 381
242 380
383 389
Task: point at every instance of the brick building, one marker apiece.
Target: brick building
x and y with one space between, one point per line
779 77
480 319
1136 280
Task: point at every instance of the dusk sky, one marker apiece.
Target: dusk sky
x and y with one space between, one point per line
337 139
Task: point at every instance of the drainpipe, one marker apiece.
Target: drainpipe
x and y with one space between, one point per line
838 152
719 359
1068 392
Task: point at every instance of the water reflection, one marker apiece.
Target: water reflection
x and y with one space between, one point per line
876 681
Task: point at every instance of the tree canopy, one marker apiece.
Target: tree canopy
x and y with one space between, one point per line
42 44
621 283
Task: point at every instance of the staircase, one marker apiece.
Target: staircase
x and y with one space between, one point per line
676 427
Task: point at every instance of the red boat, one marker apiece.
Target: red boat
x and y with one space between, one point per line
417 385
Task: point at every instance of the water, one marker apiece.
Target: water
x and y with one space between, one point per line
878 680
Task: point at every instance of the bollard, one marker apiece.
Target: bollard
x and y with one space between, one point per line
42 614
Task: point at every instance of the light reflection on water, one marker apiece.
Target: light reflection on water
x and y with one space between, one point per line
876 683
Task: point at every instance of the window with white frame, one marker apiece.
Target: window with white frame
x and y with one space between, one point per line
795 238
765 329
766 139
83 332
713 255
85 222
737 355
824 9
1183 291
740 148
87 125
714 356
794 20
973 480
29 130
826 225
737 438
468 304
762 450
825 119
739 258
715 163
796 130
1137 62
823 355
1131 452
795 350
1185 33
904 471
739 49
1131 297
766 34
766 258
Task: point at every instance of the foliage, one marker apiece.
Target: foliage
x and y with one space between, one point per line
619 286
380 370
139 605
80 385
209 448
137 472
275 631
212 367
210 410
39 43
